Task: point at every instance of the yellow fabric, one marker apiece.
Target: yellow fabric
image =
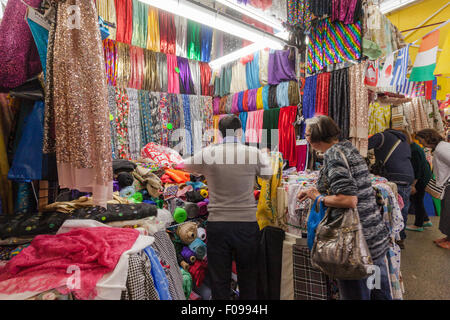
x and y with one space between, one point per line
266 213
216 119
5 184
259 99
379 117
153 30
443 63
444 84
107 10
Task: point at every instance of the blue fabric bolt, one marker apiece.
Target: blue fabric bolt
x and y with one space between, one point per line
265 97
158 274
309 99
283 94
187 123
243 117
240 101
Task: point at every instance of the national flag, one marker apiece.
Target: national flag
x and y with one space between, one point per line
426 58
371 77
400 67
406 87
443 64
385 77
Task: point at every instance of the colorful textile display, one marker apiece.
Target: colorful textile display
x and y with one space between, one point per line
124 13
110 53
287 136
153 37
339 100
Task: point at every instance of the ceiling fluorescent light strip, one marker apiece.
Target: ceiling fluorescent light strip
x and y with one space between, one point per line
390 6
215 20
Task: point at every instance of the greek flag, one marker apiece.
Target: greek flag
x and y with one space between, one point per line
406 87
400 67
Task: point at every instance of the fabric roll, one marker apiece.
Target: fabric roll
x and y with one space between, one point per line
252 72
243 117
270 123
186 82
134 130
153 38
264 67
240 101
309 100
245 101
140 18
273 97
150 82
193 40
216 105
322 92
124 14
181 43
234 103
265 97
294 94
287 138
283 94
252 99
195 72
205 79
253 131
281 66
206 43
196 123
339 100
173 83
259 99
110 53
167 32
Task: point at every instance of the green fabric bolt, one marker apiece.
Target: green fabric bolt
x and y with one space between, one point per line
194 43
140 18
187 283
270 122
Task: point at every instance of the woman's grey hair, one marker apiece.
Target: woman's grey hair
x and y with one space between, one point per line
322 129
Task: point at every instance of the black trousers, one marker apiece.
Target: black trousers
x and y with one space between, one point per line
228 240
419 208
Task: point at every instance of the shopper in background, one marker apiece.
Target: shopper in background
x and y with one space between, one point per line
398 167
340 188
422 175
440 149
232 226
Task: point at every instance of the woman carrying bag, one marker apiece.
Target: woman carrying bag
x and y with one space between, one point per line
344 187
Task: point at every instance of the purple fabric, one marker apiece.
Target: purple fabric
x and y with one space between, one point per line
19 58
344 11
281 68
186 82
216 105
234 104
252 99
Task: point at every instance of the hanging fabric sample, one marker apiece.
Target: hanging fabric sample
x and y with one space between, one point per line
140 18
206 34
187 125
110 53
40 36
339 100
281 66
309 100
294 93
137 67
238 78
163 67
359 108
150 117
196 123
299 13
322 92
168 34
194 41
124 13
195 72
253 130
252 72
217 44
379 117
206 109
19 57
270 126
264 66
153 38
134 128
243 116
287 138
344 11
123 64
107 10
186 83
79 108
283 94
181 43
205 79
123 110
112 105
150 81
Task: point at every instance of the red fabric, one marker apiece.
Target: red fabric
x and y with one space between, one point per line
286 138
44 264
164 156
205 79
261 4
168 35
302 152
428 89
198 271
245 101
137 67
322 91
124 23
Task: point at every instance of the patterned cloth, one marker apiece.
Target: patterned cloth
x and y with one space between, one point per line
110 52
379 117
299 13
134 128
123 109
309 283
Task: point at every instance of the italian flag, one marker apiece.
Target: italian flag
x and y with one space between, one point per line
426 58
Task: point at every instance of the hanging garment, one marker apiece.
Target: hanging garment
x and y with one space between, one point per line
339 101
243 116
134 128
283 94
286 131
359 108
140 18
322 93
265 97
273 97
195 72
293 93
110 52
19 57
270 125
181 43
123 64
162 69
252 72
40 36
206 43
194 41
168 34
173 75
186 82
253 130
153 38
281 66
205 79
150 81
79 108
266 212
124 13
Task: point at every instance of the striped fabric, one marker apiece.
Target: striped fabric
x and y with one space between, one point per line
425 62
400 67
333 42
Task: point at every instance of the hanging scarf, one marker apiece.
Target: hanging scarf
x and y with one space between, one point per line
162 70
153 39
124 12
205 79
181 30
186 83
110 52
140 18
168 33
206 43
194 41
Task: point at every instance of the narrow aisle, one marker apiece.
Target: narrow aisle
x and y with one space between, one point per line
425 266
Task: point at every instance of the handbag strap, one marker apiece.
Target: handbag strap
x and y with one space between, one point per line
392 151
346 162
